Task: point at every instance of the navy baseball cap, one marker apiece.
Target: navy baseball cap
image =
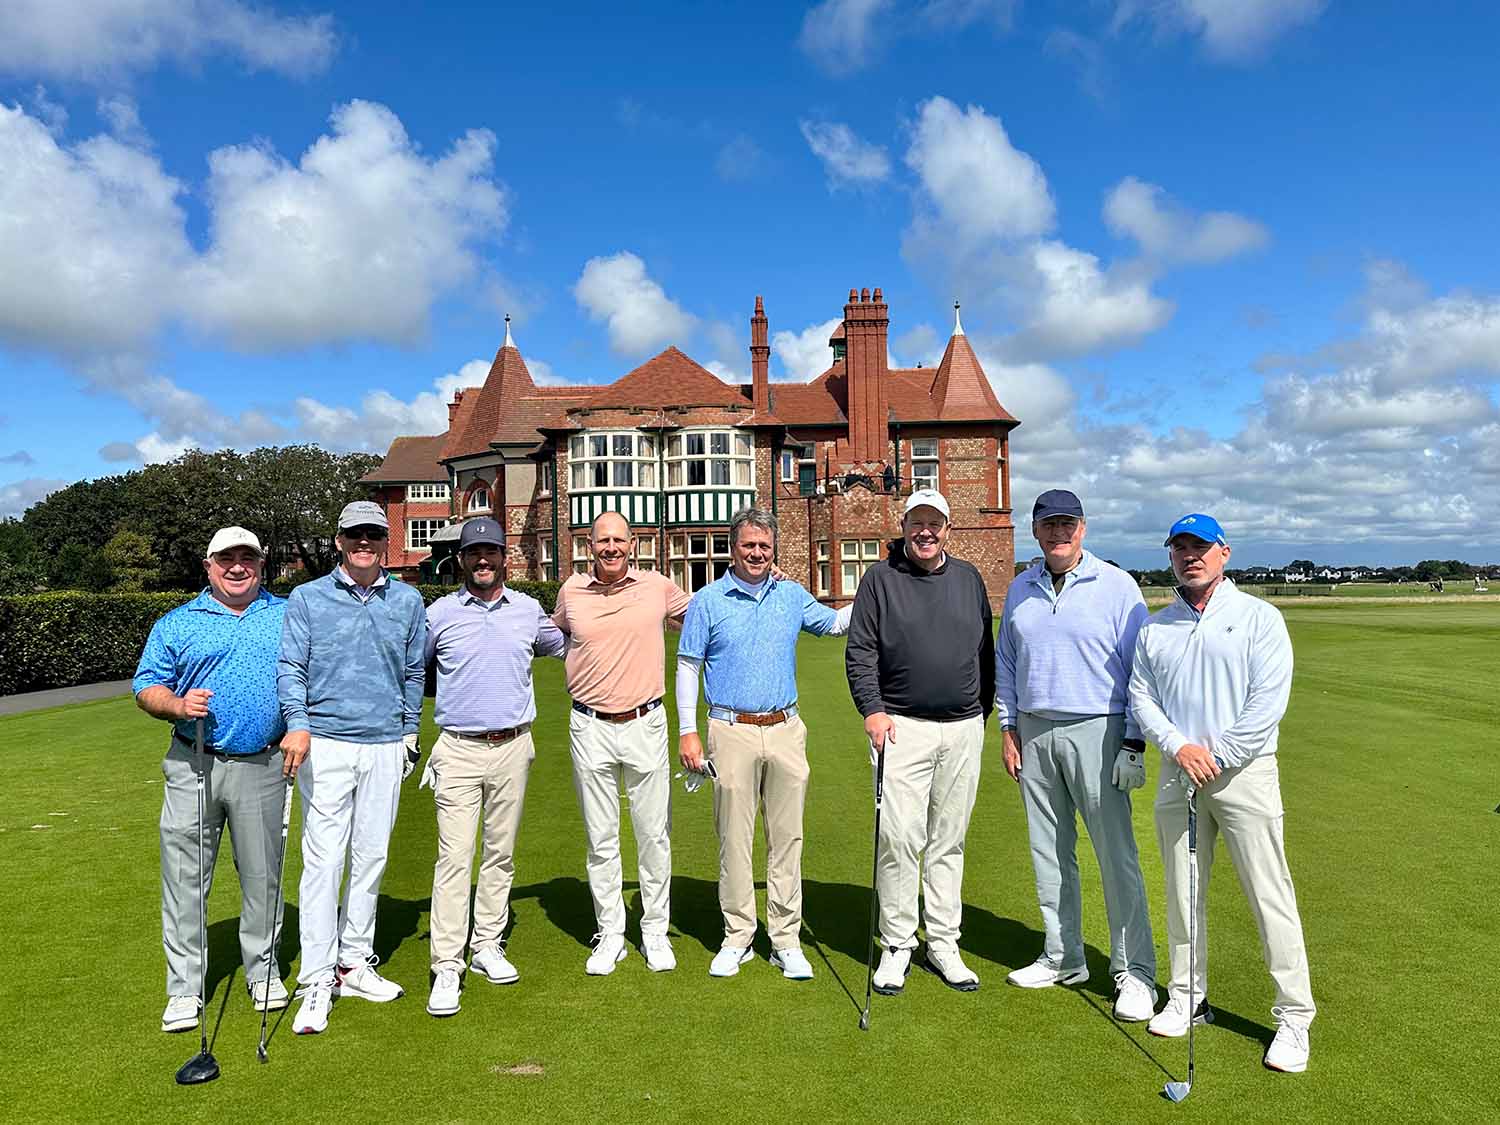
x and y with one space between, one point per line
1198 526
476 532
1056 502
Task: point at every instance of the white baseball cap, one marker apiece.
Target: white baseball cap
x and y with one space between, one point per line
227 538
926 498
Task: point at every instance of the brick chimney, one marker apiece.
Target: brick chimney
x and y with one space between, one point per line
866 325
458 397
760 359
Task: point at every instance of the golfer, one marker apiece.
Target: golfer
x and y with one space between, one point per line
743 629
921 668
215 659
1067 637
613 615
483 638
350 683
1210 683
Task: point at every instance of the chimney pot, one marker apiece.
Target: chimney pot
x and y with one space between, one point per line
853 295
878 298
864 295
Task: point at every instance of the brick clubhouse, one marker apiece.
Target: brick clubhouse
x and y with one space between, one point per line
678 451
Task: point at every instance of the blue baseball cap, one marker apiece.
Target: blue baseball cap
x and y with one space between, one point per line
1056 502
1198 526
481 531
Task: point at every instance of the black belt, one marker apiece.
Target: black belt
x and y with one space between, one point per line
509 734
619 716
219 754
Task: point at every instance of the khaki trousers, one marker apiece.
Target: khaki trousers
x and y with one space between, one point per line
1243 805
478 783
931 780
760 768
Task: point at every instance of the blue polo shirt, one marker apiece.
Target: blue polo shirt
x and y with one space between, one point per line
205 644
746 637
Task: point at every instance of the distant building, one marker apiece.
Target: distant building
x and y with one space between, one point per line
678 451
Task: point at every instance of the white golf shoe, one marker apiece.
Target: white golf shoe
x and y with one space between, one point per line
727 961
1289 1050
1042 973
792 963
268 995
951 970
609 951
363 982
1172 1021
1135 1000
890 976
312 1016
181 1014
443 999
658 951
490 961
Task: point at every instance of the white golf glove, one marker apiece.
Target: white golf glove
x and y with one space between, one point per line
429 777
413 754
1130 769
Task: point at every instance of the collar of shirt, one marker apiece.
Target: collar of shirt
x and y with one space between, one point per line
1088 567
341 576
592 582
468 597
755 592
205 602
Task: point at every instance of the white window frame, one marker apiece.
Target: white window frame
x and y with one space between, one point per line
474 505
544 477
700 450
599 453
582 560
856 556
924 463
788 467
427 526
825 568
426 493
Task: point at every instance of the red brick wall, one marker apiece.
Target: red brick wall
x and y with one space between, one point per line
398 511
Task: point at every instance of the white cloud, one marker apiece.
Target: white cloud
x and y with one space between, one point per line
155 449
848 160
842 36
1231 30
1077 308
741 159
805 355
355 241
124 119
919 344
381 416
1168 232
98 40
1451 335
1350 400
17 497
640 316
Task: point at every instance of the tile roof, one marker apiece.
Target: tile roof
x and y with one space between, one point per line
410 460
669 379
960 391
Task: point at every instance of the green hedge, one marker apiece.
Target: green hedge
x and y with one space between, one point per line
68 637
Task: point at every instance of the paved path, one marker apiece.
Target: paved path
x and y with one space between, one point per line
61 697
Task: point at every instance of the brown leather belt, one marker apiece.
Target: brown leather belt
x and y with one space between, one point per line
509 734
619 716
753 718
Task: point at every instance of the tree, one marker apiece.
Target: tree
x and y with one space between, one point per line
80 567
130 557
86 512
295 495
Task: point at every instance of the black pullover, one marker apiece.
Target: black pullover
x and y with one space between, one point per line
921 644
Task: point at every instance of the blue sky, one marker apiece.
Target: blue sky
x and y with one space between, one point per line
1227 256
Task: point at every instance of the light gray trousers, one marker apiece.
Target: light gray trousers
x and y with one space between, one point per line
1065 772
246 794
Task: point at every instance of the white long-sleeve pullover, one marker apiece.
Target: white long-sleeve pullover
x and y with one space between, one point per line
1220 679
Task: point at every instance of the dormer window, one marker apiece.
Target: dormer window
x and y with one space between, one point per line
479 500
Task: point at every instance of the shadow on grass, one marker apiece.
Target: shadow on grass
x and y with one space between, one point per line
567 903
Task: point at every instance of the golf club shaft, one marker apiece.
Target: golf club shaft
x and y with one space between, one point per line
874 875
202 895
1192 842
265 1006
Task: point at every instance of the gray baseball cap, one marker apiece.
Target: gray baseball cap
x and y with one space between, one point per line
363 513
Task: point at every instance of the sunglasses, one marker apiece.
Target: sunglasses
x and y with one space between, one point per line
373 534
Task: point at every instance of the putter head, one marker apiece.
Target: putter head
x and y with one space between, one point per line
202 1067
1176 1091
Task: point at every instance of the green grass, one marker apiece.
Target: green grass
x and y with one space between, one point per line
1389 771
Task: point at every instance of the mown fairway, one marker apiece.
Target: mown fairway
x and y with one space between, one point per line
1391 774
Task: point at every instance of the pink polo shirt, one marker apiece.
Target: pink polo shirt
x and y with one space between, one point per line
616 649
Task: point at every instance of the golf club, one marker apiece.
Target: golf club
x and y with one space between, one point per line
864 1016
265 1004
202 1067
1177 1091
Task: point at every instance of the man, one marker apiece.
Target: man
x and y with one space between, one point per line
350 679
214 659
1212 676
743 628
1067 637
921 669
483 638
614 615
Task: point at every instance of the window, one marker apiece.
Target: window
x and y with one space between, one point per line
544 478
698 558
420 532
709 459
581 559
825 568
857 555
479 499
422 492
924 463
645 552
788 466
612 460
544 556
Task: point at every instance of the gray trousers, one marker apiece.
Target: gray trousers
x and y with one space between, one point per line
1065 771
246 794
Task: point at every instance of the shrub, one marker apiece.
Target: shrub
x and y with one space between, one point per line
67 638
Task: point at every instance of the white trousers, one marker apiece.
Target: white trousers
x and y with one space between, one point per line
606 757
349 796
1243 805
931 780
